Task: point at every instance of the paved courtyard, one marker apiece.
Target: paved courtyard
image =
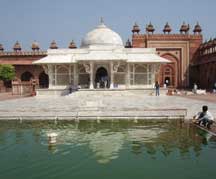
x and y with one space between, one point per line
105 103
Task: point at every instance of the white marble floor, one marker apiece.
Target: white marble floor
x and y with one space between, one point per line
107 101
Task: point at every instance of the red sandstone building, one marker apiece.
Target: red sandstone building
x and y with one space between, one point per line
192 61
178 48
204 65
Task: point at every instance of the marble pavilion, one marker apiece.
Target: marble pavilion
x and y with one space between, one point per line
102 55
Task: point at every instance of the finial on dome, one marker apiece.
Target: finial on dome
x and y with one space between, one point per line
101 20
101 25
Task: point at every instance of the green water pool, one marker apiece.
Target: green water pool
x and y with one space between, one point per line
108 150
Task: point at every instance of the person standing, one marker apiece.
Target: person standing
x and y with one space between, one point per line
167 82
214 88
105 81
195 88
157 88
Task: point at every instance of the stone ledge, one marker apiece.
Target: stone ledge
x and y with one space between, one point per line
102 115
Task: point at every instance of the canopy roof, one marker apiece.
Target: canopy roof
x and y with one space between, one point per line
146 58
135 55
55 59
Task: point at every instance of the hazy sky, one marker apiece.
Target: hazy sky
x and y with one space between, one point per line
64 20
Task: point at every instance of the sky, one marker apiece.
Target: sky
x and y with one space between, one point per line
64 20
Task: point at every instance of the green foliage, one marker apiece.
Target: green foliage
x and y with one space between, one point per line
7 72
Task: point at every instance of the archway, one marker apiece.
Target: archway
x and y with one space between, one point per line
101 78
43 80
169 73
26 76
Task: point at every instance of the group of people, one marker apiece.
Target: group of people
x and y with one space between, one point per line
195 87
103 82
204 118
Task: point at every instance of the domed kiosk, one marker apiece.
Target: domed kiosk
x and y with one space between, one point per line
102 61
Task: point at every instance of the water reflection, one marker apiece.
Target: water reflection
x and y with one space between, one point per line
106 147
107 139
104 144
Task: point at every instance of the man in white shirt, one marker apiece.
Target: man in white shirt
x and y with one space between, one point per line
205 117
195 88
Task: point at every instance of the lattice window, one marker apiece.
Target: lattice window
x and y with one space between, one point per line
62 75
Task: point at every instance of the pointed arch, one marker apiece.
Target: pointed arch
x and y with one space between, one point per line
26 76
169 73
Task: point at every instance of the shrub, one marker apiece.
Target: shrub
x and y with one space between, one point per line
7 72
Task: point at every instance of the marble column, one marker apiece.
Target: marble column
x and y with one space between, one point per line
50 74
156 73
69 73
111 75
128 76
153 75
55 82
75 74
91 86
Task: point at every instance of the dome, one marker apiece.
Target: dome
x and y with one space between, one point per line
72 45
167 28
35 46
150 28
197 28
53 45
102 36
17 46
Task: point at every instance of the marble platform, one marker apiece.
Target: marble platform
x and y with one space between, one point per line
102 105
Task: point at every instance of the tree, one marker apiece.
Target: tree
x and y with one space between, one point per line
7 72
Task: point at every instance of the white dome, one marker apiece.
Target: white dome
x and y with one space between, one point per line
102 36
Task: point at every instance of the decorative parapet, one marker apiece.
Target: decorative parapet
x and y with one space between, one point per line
161 37
24 53
207 48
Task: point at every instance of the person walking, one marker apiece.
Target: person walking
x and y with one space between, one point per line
157 88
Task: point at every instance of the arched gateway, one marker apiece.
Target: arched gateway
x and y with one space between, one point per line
102 61
101 78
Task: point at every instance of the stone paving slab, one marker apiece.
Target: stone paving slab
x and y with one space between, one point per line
124 104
